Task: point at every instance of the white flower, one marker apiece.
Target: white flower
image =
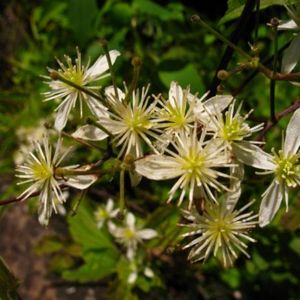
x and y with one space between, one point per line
130 123
285 165
291 55
176 113
232 128
82 76
102 215
40 171
219 231
205 110
129 235
194 162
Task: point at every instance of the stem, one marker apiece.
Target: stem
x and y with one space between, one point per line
234 38
136 73
113 78
257 7
98 125
278 116
122 190
275 23
80 141
56 76
266 71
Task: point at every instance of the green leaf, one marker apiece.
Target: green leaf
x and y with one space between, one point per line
8 283
187 76
295 245
235 7
151 8
82 16
85 232
97 265
48 244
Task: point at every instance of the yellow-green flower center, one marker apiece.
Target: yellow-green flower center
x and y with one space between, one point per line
288 168
193 163
175 116
233 129
129 234
73 74
137 122
42 171
101 214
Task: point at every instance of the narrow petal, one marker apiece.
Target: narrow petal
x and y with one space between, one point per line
270 203
218 103
101 64
252 155
63 112
291 55
175 94
89 132
292 138
158 167
288 25
81 182
147 234
130 220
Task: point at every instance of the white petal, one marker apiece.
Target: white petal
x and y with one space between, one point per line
252 155
288 25
132 278
130 220
98 109
110 91
147 234
63 112
218 103
175 94
135 178
291 55
101 64
81 182
292 138
148 272
89 132
270 203
158 167
233 196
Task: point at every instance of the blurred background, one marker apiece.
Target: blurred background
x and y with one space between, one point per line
32 35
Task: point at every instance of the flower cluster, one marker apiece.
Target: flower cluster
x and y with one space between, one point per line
202 144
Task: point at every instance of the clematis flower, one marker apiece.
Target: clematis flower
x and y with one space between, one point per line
83 76
219 232
130 124
129 235
105 214
232 128
40 170
176 113
195 161
284 164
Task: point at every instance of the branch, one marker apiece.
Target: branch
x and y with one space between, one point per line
234 38
278 116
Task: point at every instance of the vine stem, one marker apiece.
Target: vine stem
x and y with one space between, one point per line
278 116
253 61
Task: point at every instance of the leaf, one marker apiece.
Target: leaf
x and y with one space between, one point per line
97 265
48 244
82 16
8 283
235 7
85 232
151 8
186 76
